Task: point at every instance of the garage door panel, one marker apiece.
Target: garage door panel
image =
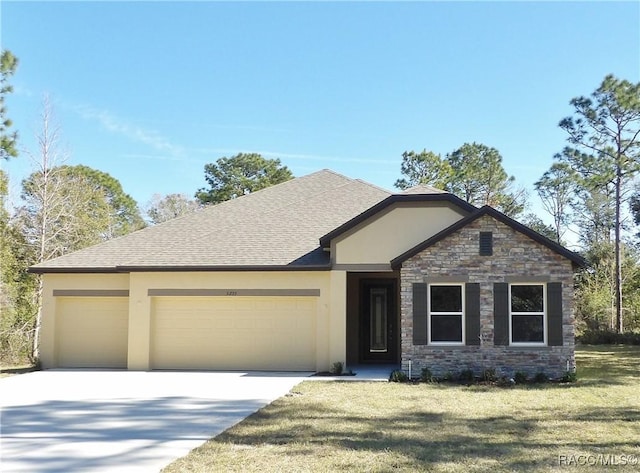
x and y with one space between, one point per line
237 333
92 332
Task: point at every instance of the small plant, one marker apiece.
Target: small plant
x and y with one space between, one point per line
466 376
489 375
520 377
540 377
569 377
398 376
448 377
426 376
337 368
505 382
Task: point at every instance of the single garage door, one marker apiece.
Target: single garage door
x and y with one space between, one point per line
234 333
92 332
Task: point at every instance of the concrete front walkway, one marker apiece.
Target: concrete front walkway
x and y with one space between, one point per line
123 421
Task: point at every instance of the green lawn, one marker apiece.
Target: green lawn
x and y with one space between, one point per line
347 426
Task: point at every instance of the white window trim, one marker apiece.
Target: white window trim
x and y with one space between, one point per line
543 313
461 313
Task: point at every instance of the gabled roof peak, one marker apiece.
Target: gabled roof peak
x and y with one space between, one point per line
396 199
422 189
487 210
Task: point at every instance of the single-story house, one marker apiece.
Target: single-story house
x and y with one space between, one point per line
317 270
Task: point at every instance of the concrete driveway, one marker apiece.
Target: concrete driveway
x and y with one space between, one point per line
122 421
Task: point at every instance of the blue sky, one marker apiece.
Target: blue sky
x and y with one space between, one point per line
152 91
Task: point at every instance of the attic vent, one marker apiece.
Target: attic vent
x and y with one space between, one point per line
486 243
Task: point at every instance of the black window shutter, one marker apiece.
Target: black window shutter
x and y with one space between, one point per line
554 314
501 313
419 314
472 313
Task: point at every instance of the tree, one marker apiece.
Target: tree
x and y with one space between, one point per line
473 172
17 288
53 216
607 127
8 65
425 167
123 215
241 174
66 208
556 189
59 208
596 289
592 206
480 179
163 208
536 224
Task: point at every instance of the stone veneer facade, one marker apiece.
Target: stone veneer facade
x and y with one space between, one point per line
516 258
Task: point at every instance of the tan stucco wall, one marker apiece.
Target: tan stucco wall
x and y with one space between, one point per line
389 234
331 304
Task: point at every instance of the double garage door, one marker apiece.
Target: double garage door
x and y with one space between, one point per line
233 333
209 333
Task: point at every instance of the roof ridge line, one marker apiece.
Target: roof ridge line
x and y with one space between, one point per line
375 186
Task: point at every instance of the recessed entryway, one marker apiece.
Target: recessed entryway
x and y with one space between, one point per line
372 318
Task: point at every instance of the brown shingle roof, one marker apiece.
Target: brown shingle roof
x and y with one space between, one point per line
275 227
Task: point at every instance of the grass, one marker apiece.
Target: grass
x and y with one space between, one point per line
343 426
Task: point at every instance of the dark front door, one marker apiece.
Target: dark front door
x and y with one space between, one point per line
378 321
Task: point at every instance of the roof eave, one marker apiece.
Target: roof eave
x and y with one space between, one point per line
176 268
220 268
71 270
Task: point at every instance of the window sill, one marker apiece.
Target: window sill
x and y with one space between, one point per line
439 346
528 347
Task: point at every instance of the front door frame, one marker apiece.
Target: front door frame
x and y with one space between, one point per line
357 343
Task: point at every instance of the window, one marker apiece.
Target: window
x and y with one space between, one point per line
446 314
527 314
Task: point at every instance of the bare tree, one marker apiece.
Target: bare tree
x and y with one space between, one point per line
55 208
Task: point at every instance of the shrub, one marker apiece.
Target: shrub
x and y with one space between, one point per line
398 376
505 382
466 376
540 377
520 377
569 377
337 368
489 375
426 376
448 377
608 337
